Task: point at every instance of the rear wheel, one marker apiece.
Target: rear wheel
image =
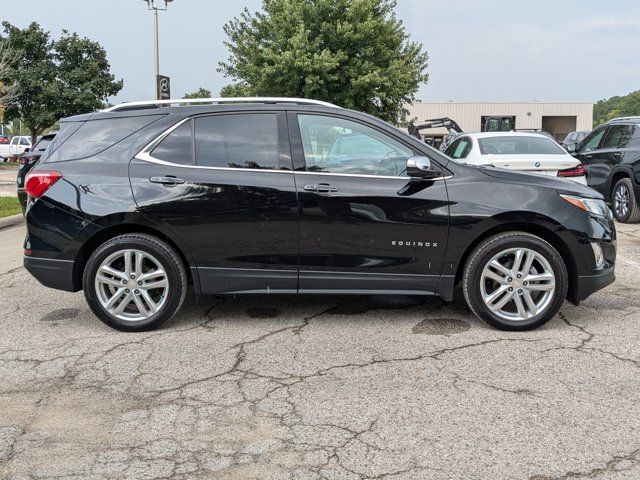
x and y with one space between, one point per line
515 281
625 205
135 282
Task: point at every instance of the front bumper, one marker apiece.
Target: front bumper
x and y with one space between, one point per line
588 284
51 273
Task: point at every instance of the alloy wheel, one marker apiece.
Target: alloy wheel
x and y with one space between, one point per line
517 284
131 285
621 199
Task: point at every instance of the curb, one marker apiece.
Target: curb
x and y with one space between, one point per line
11 221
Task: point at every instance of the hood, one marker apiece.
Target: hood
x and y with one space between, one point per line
558 183
532 162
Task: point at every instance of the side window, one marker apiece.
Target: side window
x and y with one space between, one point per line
248 140
618 137
452 148
24 141
592 140
95 136
462 149
177 147
336 145
634 142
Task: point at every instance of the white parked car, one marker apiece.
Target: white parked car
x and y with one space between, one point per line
527 152
15 147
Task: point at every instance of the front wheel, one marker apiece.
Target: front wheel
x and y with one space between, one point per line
134 282
515 281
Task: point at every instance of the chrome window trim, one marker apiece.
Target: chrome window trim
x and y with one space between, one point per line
146 156
365 176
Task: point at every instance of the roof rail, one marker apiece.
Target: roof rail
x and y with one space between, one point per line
633 117
189 101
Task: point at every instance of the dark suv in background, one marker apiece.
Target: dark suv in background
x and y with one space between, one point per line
611 156
289 196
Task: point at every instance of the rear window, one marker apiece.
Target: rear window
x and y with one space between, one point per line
509 145
95 136
42 144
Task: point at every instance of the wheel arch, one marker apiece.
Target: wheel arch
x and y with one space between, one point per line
617 175
112 231
542 231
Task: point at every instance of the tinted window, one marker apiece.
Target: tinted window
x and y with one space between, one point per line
509 145
452 148
66 130
24 141
462 149
43 143
592 140
239 141
617 137
335 145
634 142
97 135
177 147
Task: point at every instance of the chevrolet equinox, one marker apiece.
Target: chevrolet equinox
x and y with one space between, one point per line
138 202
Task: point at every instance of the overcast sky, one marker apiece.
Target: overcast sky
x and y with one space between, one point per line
480 50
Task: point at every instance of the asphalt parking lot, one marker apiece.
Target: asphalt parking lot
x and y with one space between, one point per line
309 388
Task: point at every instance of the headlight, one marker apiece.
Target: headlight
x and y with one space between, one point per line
591 205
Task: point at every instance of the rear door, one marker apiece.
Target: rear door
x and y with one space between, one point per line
364 226
223 184
612 152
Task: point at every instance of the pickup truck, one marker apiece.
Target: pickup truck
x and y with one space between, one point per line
15 147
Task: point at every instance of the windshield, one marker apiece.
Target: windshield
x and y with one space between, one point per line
519 146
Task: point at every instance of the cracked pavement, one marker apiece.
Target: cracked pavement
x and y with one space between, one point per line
277 387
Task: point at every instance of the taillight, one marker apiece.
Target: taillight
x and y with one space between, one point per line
578 171
40 181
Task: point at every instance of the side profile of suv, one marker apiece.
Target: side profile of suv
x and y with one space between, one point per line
272 195
611 156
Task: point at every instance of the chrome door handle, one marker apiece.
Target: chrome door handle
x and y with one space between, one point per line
168 180
321 188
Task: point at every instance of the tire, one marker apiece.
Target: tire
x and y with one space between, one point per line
477 284
624 202
157 277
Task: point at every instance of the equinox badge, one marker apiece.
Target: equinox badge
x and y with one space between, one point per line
401 243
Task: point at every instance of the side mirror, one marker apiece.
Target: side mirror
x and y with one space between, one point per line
571 147
420 167
26 149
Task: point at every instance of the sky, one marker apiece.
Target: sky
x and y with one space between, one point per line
480 50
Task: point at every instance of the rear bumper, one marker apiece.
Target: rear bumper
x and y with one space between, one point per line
590 284
51 273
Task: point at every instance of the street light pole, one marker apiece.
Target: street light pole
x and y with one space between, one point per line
156 5
156 50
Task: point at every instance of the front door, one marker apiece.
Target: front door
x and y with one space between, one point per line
593 159
223 185
364 226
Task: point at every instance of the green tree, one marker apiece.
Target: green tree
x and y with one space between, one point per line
354 53
55 78
625 106
200 93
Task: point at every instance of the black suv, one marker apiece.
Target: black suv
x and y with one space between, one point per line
286 196
611 156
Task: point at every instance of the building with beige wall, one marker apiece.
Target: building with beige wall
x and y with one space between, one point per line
555 118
